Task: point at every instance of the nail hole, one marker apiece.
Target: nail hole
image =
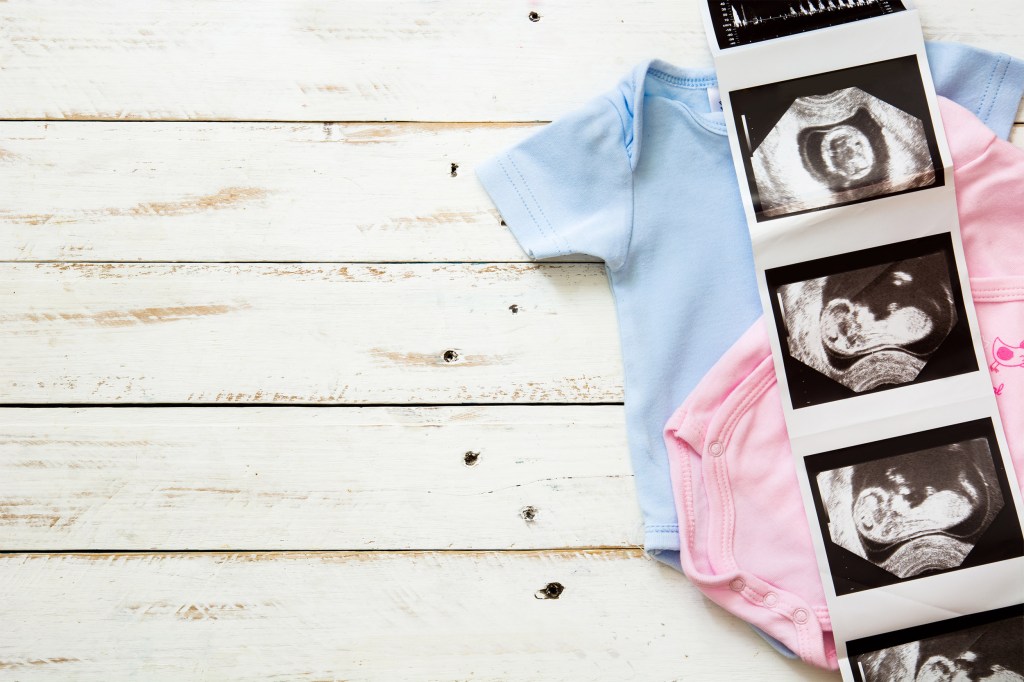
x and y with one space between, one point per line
471 458
528 513
514 308
455 170
533 16
550 591
450 356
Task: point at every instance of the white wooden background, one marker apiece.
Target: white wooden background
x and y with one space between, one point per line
284 400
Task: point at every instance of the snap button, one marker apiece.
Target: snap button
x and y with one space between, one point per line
715 449
800 616
737 585
771 599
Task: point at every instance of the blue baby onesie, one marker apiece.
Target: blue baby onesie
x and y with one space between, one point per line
669 225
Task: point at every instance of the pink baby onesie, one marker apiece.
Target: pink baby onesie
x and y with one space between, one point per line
744 536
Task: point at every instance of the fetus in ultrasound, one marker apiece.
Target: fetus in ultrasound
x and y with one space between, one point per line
873 326
838 148
845 155
917 512
986 653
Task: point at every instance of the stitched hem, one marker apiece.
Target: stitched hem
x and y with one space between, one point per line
781 614
1006 87
997 289
621 259
661 538
519 207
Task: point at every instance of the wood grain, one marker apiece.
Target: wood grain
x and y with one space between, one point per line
370 616
316 478
307 334
250 192
147 150
423 60
254 192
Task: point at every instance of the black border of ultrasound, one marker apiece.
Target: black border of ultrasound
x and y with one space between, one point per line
907 62
1011 544
867 645
721 30
854 260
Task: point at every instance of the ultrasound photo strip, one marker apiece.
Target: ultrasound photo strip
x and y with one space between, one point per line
918 518
741 22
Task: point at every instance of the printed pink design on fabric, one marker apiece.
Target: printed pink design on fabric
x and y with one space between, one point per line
1006 355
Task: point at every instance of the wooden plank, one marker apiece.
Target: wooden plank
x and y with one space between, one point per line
370 616
250 192
316 478
464 60
253 192
337 334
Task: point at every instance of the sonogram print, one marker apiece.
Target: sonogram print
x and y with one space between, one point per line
871 326
837 138
993 652
837 148
917 512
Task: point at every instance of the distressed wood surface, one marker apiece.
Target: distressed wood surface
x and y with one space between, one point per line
316 478
463 60
253 192
305 333
149 147
379 616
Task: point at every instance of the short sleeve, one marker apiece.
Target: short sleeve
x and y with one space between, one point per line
988 84
569 187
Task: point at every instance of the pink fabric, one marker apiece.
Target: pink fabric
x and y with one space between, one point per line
744 536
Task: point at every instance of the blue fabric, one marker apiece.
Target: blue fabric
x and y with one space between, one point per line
642 178
986 83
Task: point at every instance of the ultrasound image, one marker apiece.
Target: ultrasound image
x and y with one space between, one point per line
837 148
992 652
741 22
872 326
917 512
837 138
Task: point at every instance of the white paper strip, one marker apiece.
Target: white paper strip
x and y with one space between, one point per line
847 184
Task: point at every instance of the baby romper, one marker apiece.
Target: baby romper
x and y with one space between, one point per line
744 539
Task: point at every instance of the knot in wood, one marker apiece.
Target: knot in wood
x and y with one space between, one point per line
550 591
